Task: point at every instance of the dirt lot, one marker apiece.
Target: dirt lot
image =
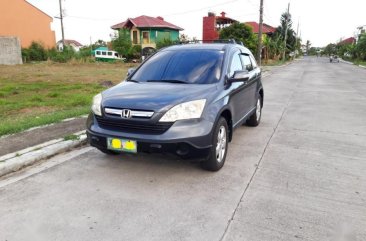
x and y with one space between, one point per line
43 93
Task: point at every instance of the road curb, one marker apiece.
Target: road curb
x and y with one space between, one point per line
14 161
348 62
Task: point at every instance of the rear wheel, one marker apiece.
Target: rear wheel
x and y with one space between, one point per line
255 118
219 147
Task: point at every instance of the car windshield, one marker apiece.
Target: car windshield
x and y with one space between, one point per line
182 66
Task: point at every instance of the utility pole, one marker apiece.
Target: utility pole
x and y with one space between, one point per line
259 53
297 38
286 27
62 25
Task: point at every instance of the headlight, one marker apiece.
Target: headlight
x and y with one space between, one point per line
187 110
96 106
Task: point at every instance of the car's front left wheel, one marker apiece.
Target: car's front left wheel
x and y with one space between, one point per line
219 147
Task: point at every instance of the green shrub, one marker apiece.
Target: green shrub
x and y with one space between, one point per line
35 52
61 57
165 43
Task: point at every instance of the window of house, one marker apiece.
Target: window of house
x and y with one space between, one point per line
145 37
163 35
134 37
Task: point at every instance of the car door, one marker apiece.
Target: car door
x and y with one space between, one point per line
251 85
238 90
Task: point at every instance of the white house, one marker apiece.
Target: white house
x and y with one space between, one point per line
75 45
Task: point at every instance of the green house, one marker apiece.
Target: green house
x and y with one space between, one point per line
147 31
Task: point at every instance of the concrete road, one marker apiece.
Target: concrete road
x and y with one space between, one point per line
300 175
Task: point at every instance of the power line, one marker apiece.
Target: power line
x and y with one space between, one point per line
92 19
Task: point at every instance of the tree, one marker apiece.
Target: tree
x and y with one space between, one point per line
165 43
308 44
122 43
276 47
183 38
330 49
35 52
99 43
291 39
361 47
241 33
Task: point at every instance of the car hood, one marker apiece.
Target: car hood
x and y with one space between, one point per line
157 97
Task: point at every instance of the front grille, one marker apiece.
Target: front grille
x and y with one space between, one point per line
131 126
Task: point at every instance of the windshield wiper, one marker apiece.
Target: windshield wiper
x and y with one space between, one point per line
132 80
169 81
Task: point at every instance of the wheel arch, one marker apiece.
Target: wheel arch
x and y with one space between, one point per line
261 93
226 113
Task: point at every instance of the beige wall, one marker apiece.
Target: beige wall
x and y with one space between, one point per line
23 20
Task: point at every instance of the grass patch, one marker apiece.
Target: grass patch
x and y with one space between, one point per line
71 137
43 93
10 126
356 61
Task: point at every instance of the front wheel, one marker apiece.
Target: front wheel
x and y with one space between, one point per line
219 147
255 118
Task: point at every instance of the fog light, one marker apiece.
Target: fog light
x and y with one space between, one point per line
182 149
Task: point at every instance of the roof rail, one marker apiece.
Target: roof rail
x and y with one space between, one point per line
226 41
229 41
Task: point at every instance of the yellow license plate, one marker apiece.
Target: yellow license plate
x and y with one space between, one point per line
124 145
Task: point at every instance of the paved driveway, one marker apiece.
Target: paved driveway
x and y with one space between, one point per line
300 175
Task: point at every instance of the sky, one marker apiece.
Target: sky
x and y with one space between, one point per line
320 21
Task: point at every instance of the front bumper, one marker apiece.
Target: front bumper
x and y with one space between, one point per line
187 138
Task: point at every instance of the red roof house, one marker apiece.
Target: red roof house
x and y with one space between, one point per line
266 29
146 22
350 40
147 31
212 24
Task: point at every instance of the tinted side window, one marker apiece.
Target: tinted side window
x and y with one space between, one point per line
235 64
254 63
247 63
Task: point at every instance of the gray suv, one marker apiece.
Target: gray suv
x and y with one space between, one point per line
184 99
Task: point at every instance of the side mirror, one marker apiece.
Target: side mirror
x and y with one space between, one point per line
130 71
239 76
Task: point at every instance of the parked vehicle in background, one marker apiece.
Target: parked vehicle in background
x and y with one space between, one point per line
333 58
185 99
108 56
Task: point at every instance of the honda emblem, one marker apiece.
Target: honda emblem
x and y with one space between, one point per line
126 114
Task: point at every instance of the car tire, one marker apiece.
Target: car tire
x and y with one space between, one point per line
219 148
108 152
255 118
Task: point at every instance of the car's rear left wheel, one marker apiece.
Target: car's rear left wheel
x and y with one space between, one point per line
219 147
